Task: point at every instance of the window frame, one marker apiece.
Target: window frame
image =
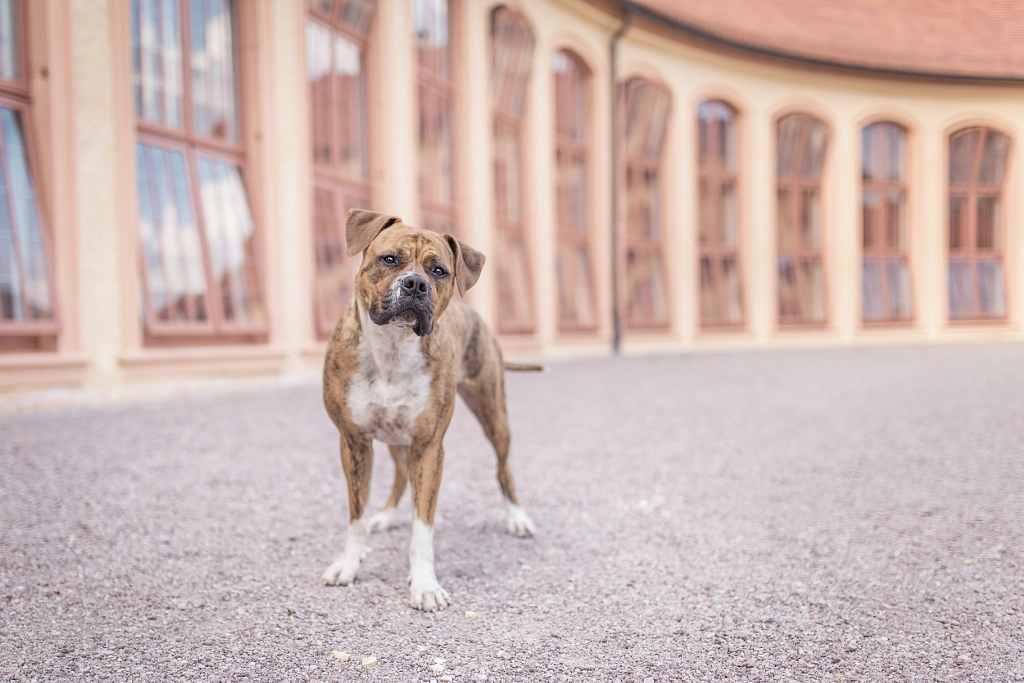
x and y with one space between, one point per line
881 253
973 192
194 146
427 79
512 229
341 187
639 164
796 251
16 95
578 148
716 251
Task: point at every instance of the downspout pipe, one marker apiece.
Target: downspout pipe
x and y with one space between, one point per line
613 55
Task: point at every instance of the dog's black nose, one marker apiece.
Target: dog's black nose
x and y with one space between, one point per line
414 285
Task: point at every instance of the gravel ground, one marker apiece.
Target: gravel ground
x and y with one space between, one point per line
845 515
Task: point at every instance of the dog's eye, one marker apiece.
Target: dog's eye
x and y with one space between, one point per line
389 259
438 271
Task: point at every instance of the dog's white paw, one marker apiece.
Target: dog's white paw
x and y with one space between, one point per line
519 523
381 521
341 573
427 595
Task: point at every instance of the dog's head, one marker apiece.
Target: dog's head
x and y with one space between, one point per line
408 275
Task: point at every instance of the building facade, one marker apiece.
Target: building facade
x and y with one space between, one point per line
176 175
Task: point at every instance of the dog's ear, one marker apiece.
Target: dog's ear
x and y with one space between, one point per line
362 226
468 263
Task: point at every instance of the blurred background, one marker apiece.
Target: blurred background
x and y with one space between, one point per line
655 176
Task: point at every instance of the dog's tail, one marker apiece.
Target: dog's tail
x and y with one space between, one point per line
523 367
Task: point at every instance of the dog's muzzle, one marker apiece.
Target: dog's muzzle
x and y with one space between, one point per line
409 301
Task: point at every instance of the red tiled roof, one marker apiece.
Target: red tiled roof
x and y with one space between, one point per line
957 39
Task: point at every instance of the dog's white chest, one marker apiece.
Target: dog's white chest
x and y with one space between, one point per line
390 389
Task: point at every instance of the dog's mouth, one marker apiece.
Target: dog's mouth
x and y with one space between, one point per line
405 311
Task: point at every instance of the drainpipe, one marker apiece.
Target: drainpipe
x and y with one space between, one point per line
613 59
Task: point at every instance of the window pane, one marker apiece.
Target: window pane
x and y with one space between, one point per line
895 221
784 218
870 206
869 152
356 14
643 203
813 291
23 200
705 228
957 222
789 300
172 252
814 148
731 280
993 158
873 292
789 139
515 303
431 31
156 39
570 97
961 289
716 136
571 184
350 109
898 276
962 148
709 295
989 222
436 147
647 107
333 273
507 174
318 71
895 152
645 287
990 288
214 100
230 236
728 215
575 292
810 219
10 69
512 53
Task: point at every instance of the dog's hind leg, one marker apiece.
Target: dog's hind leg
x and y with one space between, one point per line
485 397
400 456
357 462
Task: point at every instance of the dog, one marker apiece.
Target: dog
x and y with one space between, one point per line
400 352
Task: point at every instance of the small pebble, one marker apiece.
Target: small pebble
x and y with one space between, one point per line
648 680
343 656
421 648
369 661
446 679
437 668
470 615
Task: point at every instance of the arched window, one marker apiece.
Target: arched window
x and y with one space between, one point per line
646 119
721 301
336 33
436 91
576 307
885 274
199 245
26 275
977 161
802 142
511 54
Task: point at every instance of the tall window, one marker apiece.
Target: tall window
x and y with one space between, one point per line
977 161
575 282
512 53
721 300
436 89
647 107
885 277
336 33
26 278
802 141
198 242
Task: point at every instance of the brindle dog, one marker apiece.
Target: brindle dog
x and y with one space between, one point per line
399 354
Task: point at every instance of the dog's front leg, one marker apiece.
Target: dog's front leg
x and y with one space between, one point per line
425 464
357 462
